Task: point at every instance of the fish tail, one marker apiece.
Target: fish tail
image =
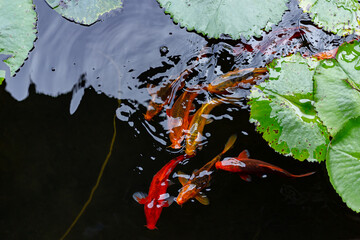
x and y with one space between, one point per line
229 143
301 175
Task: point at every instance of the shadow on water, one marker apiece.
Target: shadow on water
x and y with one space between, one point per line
51 149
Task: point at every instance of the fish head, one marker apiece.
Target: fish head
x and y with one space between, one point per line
186 193
151 226
152 214
152 110
229 164
218 165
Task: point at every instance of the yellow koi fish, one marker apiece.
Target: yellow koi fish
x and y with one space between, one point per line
197 125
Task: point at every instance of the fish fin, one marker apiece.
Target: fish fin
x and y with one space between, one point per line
244 154
303 175
203 199
170 183
209 121
167 202
149 88
229 143
245 177
182 179
140 197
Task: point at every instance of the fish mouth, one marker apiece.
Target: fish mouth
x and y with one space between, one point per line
217 165
151 227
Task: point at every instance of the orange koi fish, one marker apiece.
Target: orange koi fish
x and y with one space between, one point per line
157 198
246 166
327 54
178 117
165 95
200 179
235 78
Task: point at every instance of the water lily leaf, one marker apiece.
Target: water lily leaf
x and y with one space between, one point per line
231 17
337 90
282 109
2 76
343 163
84 11
17 31
338 16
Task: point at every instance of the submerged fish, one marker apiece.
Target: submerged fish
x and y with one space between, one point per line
157 198
200 179
178 117
245 166
327 54
235 78
197 124
165 95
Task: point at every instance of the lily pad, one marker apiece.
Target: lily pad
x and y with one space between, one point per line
337 91
2 76
282 109
337 16
17 31
231 17
343 163
84 11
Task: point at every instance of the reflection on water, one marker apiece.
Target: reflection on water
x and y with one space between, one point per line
50 158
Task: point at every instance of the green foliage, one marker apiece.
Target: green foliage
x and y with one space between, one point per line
343 163
299 96
233 17
338 87
337 16
283 110
17 31
84 11
2 76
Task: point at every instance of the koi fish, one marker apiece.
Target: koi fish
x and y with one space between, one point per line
157 198
327 54
178 117
197 124
200 179
234 79
245 166
165 95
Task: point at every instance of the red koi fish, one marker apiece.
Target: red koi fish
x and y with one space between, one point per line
157 198
245 166
200 179
178 117
197 124
236 78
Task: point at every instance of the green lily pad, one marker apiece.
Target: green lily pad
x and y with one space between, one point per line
282 109
338 16
337 90
17 31
231 17
2 76
84 11
343 163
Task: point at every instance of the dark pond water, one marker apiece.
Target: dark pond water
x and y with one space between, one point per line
57 125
